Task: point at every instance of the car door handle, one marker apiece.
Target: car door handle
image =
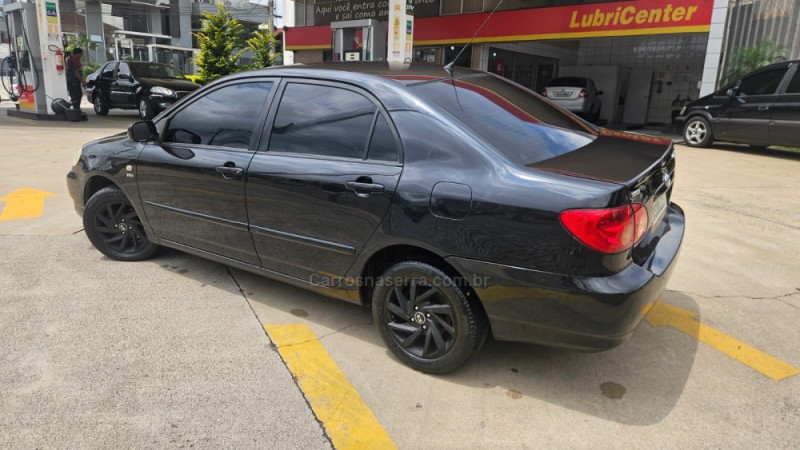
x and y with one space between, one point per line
230 172
763 108
364 189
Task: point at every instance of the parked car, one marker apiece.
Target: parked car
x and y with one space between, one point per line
453 206
145 86
761 109
576 94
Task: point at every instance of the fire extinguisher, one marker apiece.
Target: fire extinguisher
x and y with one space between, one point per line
59 60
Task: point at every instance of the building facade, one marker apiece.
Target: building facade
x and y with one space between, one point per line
649 57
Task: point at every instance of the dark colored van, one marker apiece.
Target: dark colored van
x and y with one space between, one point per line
761 109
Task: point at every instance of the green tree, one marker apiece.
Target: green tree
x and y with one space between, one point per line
84 42
747 59
220 42
262 44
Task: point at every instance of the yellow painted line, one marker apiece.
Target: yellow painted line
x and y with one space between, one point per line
25 203
663 314
347 419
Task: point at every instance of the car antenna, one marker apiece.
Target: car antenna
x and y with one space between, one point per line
449 66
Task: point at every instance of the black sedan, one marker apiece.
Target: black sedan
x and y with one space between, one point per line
454 205
145 86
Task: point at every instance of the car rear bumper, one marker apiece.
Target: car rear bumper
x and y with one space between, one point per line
574 312
578 105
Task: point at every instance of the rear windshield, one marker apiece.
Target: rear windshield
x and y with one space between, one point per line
567 82
519 124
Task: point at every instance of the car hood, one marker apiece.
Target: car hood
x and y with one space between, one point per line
175 85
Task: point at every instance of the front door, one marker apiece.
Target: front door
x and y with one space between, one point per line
192 184
746 117
123 87
785 129
319 190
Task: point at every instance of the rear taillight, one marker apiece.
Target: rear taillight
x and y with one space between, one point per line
582 93
640 221
607 230
544 93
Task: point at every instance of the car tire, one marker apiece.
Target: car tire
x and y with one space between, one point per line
113 226
426 320
145 109
697 132
101 106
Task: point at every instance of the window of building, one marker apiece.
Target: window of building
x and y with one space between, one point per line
764 83
322 120
224 118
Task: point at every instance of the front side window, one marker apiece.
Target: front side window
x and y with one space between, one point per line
322 120
108 70
225 117
123 70
764 83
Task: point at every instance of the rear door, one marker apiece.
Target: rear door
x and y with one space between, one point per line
192 184
785 129
317 191
747 117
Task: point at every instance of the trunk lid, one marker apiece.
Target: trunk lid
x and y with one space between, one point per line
643 165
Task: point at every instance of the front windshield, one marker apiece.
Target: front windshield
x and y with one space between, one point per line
153 70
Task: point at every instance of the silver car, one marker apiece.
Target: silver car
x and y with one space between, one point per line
575 94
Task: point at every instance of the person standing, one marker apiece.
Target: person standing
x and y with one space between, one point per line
75 80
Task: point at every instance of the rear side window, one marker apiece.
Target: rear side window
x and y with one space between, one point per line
764 83
794 85
224 118
568 82
322 120
513 120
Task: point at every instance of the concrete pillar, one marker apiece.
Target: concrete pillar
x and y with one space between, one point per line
180 23
714 49
154 21
288 21
94 27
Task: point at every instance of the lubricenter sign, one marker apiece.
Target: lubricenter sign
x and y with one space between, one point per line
631 14
626 18
623 18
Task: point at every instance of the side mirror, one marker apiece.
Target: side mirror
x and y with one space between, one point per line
142 131
124 76
599 92
732 93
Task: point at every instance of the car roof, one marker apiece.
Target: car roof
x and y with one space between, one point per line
405 74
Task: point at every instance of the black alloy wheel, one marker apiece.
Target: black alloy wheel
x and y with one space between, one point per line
100 104
114 227
425 319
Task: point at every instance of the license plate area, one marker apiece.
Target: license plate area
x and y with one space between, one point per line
658 209
563 93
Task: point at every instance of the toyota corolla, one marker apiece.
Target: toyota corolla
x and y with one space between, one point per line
454 204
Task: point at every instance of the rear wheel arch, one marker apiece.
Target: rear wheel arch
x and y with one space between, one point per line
386 257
